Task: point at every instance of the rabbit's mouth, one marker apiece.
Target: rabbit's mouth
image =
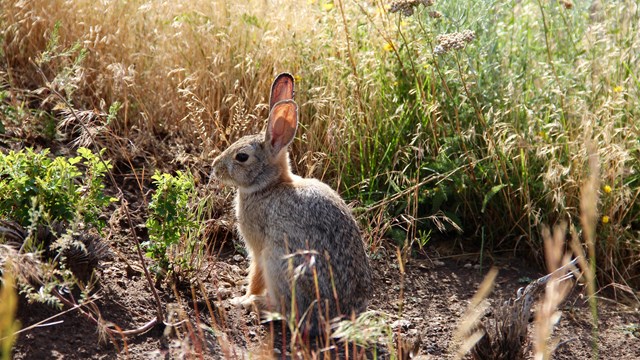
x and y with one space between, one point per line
220 174
214 181
222 177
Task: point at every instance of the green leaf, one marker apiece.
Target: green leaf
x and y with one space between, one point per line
494 190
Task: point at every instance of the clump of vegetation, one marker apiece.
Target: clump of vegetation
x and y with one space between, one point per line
44 204
37 189
171 224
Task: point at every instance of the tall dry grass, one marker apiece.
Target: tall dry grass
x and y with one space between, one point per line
194 71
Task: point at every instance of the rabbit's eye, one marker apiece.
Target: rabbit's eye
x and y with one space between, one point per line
242 157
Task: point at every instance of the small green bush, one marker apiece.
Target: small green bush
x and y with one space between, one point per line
37 189
52 196
170 218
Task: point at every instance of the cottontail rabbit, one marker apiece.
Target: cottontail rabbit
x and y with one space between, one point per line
296 230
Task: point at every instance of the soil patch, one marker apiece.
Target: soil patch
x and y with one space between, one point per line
427 302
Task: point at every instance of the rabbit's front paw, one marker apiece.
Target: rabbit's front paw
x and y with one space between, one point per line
247 301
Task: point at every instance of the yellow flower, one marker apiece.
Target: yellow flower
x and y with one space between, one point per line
607 189
618 89
387 47
327 6
310 2
403 23
543 134
605 219
297 78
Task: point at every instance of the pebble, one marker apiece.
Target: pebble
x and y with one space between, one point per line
400 324
468 266
224 293
238 258
236 268
438 263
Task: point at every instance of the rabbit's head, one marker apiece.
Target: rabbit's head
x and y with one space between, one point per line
257 161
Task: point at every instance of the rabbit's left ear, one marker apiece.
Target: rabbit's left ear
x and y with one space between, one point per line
282 89
281 129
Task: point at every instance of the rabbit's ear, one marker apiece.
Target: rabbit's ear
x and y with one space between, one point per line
282 89
283 122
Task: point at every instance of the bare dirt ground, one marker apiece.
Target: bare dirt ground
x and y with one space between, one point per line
428 302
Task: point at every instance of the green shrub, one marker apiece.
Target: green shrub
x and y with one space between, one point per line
37 189
170 220
43 201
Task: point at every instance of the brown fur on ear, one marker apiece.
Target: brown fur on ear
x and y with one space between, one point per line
282 126
282 89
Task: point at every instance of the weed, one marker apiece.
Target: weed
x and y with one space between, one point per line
55 187
170 221
49 200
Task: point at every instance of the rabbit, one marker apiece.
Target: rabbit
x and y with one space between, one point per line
296 230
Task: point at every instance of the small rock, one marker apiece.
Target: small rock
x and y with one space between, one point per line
224 293
468 266
476 267
438 263
236 269
238 258
401 324
133 270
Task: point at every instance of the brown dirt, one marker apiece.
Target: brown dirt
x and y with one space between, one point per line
435 295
